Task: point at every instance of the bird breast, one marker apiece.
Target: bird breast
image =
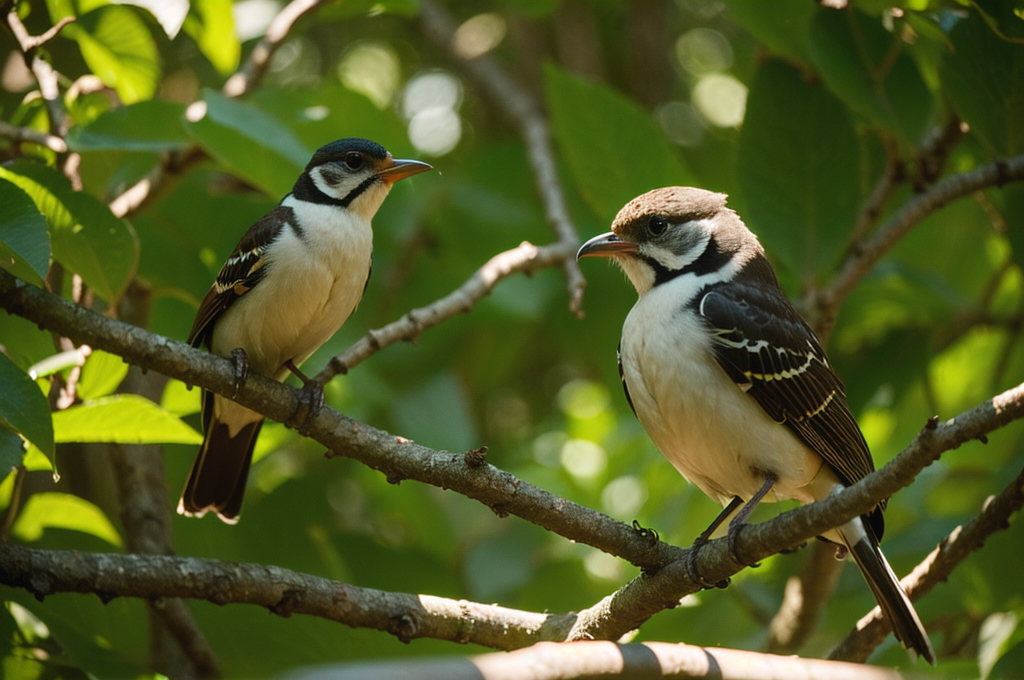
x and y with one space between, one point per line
315 278
705 425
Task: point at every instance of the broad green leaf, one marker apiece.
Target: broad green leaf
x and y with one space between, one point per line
24 241
251 143
181 401
869 69
212 25
784 27
798 160
118 47
614 149
122 419
63 511
85 236
23 407
12 450
984 78
147 126
101 375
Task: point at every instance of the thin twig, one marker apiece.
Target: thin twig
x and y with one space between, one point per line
936 568
44 73
525 115
526 257
20 134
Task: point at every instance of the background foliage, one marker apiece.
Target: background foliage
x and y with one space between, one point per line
793 109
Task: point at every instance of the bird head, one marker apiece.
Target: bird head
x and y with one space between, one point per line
666 232
358 173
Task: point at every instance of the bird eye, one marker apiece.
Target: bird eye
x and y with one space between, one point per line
656 225
354 160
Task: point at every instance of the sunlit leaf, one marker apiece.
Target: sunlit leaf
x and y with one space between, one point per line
798 164
147 126
23 406
24 241
85 236
212 25
181 401
101 375
613 147
63 511
122 419
117 46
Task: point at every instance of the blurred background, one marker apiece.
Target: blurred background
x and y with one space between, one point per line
794 109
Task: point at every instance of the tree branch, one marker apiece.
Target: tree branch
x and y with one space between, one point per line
824 304
871 630
525 115
400 459
44 73
526 258
20 134
594 659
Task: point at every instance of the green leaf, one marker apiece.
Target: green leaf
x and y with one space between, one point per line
798 160
122 419
212 25
63 511
147 126
254 145
869 69
784 27
614 149
179 400
101 375
23 407
85 236
984 78
24 241
118 47
12 450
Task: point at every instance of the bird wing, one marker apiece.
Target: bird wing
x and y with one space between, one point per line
244 268
768 350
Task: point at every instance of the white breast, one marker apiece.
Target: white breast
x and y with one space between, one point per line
313 283
706 426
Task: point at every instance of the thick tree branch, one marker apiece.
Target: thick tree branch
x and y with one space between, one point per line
871 630
525 257
469 475
525 115
594 659
825 303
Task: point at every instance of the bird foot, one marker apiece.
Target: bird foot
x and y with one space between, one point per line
841 552
311 400
649 535
733 535
690 565
241 361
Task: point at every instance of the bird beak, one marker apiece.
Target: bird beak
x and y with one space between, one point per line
606 245
400 169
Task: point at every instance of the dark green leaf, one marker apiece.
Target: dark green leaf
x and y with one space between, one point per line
783 26
23 406
85 236
251 143
12 450
117 46
984 77
614 148
869 69
798 160
147 126
24 241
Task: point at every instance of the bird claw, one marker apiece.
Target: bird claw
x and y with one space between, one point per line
733 535
241 361
649 535
690 565
311 400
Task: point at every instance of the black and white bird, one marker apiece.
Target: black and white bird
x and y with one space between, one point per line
729 381
291 282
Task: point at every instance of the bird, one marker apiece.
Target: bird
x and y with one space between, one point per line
730 382
294 278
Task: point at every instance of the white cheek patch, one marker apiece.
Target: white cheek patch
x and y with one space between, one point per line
676 254
336 184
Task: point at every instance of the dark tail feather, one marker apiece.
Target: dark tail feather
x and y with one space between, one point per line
892 599
217 480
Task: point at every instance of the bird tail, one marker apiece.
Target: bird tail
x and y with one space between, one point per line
217 480
892 599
